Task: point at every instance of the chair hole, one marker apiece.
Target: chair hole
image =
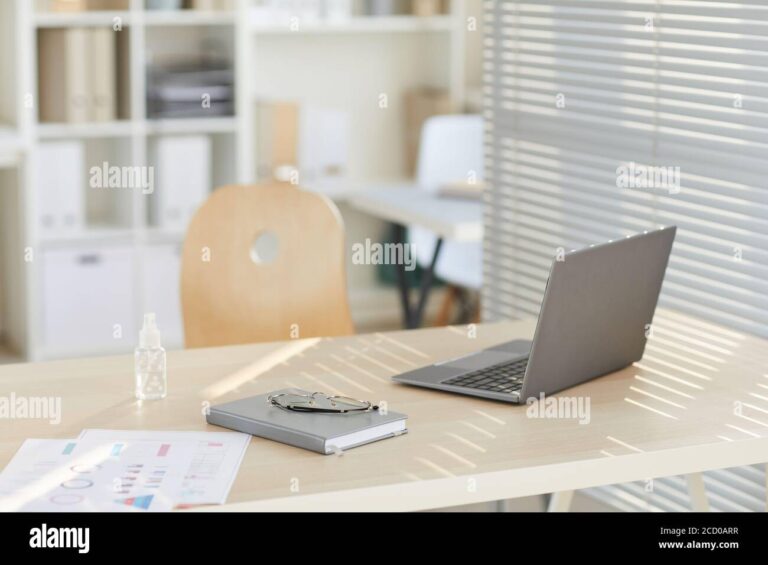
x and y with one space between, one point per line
264 248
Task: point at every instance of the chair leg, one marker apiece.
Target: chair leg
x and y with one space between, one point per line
697 492
475 318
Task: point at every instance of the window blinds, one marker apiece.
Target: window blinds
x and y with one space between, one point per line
609 118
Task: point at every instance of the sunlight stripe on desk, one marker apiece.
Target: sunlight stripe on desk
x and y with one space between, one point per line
676 367
711 333
678 336
689 351
434 466
387 352
455 456
760 396
742 430
624 444
685 358
641 405
359 369
753 420
491 418
403 346
753 407
479 429
659 398
325 386
466 442
372 360
664 387
667 376
344 378
263 365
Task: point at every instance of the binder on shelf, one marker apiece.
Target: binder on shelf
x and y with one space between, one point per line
183 179
103 76
60 186
323 143
278 139
310 139
69 5
428 8
64 79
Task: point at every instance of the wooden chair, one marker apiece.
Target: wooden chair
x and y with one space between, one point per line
232 292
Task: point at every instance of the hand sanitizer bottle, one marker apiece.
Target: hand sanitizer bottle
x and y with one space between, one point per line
149 359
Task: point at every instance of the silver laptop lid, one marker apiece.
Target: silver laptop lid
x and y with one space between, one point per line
597 307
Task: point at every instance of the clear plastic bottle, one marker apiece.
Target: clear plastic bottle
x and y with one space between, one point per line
149 363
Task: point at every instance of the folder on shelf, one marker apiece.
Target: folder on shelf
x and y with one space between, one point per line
103 75
69 5
60 186
64 78
278 139
183 179
307 138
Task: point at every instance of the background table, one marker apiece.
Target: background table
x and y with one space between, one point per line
456 219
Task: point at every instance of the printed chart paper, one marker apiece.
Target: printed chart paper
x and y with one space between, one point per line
210 475
60 475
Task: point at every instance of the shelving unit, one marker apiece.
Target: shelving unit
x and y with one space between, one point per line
363 24
14 145
399 53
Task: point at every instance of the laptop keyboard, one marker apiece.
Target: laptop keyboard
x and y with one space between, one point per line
505 378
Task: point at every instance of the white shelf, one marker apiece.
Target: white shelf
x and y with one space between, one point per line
224 124
89 237
10 146
160 31
187 18
126 128
361 24
120 128
81 19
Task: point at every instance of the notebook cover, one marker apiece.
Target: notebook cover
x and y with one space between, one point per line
256 416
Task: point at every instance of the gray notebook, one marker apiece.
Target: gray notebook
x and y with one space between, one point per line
324 433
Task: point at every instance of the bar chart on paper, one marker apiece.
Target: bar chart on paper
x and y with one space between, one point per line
213 468
94 476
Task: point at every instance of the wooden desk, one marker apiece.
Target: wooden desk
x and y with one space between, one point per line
697 401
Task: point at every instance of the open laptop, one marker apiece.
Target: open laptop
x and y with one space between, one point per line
598 306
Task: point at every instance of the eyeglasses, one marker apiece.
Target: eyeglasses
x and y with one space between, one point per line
320 402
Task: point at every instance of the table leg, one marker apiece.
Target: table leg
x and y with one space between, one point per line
560 501
402 281
697 492
413 317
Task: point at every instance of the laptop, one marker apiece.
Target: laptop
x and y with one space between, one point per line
596 313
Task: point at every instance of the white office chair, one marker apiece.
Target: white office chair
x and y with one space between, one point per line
451 151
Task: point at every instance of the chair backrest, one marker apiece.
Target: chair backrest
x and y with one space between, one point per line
233 292
450 150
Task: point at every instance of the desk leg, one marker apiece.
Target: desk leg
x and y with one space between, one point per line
402 282
697 492
560 501
413 317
